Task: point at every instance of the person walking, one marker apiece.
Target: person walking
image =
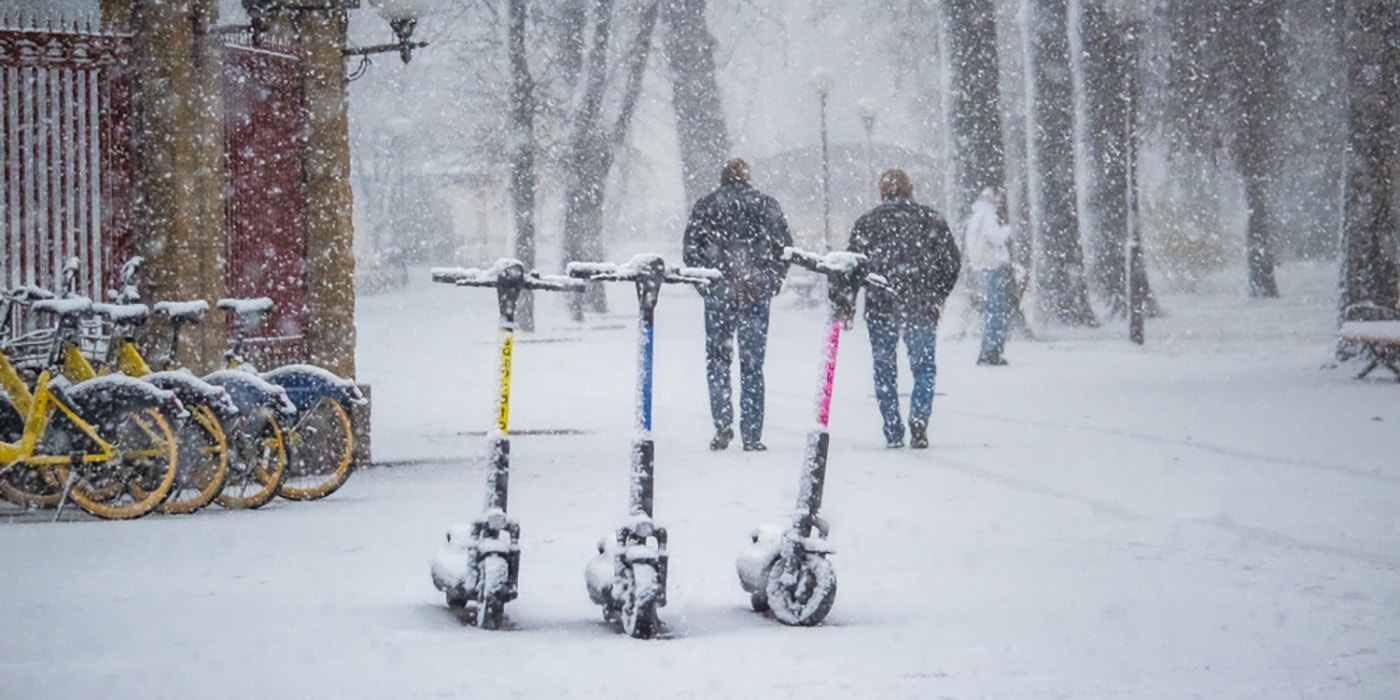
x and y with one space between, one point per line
989 259
912 247
740 232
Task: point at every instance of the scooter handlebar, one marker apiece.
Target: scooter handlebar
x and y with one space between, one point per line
638 268
837 263
492 277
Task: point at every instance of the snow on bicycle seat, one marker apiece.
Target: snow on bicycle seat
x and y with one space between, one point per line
192 311
29 293
134 314
246 307
70 306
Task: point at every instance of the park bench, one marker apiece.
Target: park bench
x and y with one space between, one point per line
1374 332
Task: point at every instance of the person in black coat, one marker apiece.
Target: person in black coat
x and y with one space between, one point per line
912 247
741 232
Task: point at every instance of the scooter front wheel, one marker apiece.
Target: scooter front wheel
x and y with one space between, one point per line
639 588
801 590
491 604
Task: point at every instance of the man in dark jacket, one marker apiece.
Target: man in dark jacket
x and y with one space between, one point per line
741 232
912 247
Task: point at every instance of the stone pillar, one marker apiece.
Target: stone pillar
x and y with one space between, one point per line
180 229
319 28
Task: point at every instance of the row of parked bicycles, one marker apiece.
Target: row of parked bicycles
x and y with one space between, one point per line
86 419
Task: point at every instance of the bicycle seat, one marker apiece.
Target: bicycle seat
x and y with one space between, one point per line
69 308
186 311
129 314
246 308
29 293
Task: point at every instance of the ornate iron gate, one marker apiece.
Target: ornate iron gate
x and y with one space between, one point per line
67 116
264 150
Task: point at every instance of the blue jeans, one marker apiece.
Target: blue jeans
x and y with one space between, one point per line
726 320
996 285
919 340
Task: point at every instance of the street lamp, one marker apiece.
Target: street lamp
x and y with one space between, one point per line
402 16
868 109
821 82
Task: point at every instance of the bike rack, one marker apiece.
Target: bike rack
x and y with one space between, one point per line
610 577
466 569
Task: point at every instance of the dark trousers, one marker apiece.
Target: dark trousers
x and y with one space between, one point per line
726 320
919 339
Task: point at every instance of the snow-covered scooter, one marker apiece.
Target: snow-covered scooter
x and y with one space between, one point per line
628 577
787 571
479 567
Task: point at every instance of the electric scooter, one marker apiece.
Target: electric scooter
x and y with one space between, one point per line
628 577
478 569
787 572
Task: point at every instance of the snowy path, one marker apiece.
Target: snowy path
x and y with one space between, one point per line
1214 515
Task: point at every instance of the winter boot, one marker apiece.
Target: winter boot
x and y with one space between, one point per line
722 438
918 435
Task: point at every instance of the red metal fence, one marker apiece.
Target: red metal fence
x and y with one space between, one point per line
67 172
264 150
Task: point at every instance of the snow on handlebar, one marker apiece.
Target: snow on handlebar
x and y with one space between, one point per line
836 263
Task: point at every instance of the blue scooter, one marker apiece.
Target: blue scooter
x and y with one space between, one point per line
628 577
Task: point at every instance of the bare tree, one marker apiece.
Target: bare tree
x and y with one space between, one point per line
1370 270
690 53
1109 62
1256 73
976 113
1060 273
523 178
594 140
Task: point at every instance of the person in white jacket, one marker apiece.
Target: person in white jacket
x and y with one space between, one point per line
989 257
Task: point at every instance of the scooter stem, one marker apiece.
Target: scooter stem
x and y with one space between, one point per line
833 341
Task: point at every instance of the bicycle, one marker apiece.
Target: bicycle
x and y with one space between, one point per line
102 443
319 437
256 445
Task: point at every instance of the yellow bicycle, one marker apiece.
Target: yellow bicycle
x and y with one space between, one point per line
102 443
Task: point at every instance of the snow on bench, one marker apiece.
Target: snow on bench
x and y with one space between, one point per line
1379 341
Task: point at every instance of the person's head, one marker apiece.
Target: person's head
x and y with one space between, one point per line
735 170
895 183
992 195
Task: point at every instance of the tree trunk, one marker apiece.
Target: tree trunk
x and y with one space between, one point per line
1107 59
523 182
976 115
1060 269
592 146
1370 221
1257 73
700 126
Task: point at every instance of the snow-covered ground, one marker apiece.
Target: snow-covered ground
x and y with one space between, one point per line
1215 515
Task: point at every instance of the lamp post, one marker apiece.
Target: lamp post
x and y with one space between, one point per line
868 108
821 82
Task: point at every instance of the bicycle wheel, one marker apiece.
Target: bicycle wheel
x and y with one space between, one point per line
22 484
257 461
139 475
319 450
202 454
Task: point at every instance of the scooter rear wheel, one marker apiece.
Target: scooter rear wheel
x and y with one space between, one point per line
801 590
